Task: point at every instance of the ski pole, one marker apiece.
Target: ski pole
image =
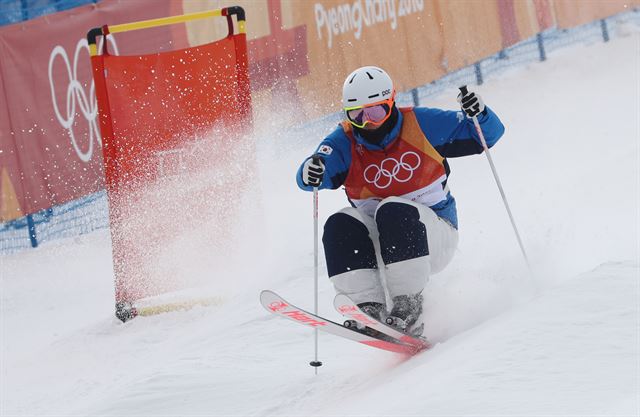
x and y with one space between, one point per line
464 91
315 363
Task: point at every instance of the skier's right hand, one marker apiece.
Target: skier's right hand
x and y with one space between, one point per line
313 171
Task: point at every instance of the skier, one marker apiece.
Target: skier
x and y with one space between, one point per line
402 226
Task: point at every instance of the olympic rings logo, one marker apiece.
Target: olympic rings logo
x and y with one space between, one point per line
391 169
76 97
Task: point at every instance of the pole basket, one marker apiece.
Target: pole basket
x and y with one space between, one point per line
174 128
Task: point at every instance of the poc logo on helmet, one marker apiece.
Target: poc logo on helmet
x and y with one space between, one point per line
386 93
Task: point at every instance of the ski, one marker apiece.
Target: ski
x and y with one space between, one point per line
277 305
348 308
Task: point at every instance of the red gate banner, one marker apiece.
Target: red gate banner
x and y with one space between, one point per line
166 116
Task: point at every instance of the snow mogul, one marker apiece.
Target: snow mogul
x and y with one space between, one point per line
402 225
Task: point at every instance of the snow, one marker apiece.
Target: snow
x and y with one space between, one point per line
563 341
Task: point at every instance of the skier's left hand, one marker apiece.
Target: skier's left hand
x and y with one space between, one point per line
471 103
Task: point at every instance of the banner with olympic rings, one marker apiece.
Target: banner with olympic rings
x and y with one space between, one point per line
50 143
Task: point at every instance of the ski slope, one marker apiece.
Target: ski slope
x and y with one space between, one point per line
564 341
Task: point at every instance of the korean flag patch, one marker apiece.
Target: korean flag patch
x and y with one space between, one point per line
325 149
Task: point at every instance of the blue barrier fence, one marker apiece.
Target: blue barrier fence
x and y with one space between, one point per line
75 218
14 11
91 212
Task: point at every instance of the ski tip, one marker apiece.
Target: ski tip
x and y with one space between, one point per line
272 301
341 299
266 295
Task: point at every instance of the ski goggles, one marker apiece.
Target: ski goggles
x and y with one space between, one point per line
374 113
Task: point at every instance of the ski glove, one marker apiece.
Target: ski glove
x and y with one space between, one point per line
471 103
313 171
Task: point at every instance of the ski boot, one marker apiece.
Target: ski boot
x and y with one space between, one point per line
406 314
376 311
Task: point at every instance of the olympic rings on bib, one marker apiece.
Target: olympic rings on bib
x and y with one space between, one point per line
391 169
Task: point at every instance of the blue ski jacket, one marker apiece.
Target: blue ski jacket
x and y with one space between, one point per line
451 133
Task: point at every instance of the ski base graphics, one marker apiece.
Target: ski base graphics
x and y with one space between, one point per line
277 305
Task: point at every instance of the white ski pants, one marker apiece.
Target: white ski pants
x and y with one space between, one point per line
410 242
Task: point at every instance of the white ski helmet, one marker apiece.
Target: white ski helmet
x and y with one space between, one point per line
366 85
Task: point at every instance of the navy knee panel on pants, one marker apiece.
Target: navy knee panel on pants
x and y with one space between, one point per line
402 235
347 245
